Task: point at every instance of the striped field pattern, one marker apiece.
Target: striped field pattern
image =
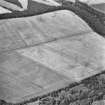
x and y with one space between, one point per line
44 53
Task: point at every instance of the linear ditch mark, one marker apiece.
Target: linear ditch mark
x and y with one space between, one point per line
45 42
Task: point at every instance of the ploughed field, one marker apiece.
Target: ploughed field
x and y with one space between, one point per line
45 60
90 91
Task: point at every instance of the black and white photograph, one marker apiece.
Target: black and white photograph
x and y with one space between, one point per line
52 52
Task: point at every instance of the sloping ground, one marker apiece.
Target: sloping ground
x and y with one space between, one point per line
39 29
90 91
19 34
44 53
